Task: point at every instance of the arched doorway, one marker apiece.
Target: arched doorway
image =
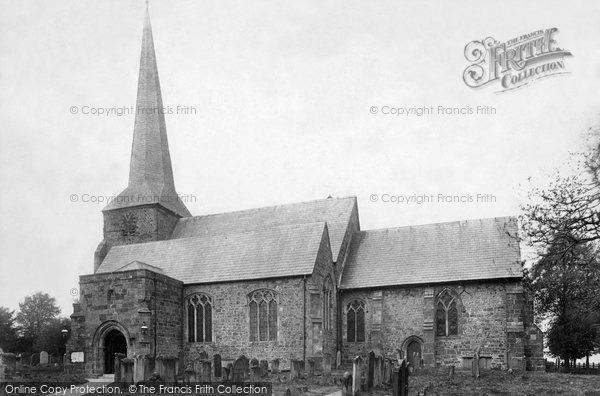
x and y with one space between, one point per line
412 348
414 353
114 342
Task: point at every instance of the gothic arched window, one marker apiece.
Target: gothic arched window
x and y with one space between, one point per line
446 315
355 320
327 302
199 318
263 315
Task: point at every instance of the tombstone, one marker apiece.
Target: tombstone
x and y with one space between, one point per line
189 375
264 368
138 369
387 371
169 366
327 364
311 367
338 359
254 373
246 362
238 373
203 355
148 366
9 361
371 370
118 358
347 384
296 368
43 357
229 373
378 374
275 366
475 364
356 375
254 362
400 380
127 371
217 365
205 371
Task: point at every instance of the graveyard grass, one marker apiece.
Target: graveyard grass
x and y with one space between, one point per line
497 382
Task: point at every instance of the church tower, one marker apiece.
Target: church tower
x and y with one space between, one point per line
149 208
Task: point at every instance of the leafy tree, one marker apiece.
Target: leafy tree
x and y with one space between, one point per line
8 331
36 312
51 338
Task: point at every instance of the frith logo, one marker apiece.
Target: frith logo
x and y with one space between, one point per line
516 62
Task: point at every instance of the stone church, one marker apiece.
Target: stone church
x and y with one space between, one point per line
296 281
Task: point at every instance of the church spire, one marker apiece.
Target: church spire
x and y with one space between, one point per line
150 171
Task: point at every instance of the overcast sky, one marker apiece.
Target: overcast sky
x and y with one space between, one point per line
283 94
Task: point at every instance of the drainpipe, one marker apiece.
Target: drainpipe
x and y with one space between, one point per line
155 317
305 332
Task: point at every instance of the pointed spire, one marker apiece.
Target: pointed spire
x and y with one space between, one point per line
150 170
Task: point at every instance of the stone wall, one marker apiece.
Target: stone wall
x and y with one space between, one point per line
231 323
487 310
125 301
144 223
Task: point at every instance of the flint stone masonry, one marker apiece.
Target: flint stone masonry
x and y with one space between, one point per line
487 311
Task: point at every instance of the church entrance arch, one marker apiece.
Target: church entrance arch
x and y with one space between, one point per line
110 338
114 342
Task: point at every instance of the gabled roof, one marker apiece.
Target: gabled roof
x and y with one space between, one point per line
335 212
257 254
444 252
137 265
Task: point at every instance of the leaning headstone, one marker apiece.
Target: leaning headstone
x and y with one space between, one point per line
217 365
475 364
43 357
275 366
338 359
264 368
326 364
356 375
238 373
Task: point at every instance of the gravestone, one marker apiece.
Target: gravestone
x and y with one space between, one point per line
246 365
347 384
189 374
9 360
338 359
326 364
378 372
356 375
254 373
264 368
275 366
238 373
127 371
371 370
203 355
229 373
387 371
254 362
43 357
118 358
296 368
400 380
311 367
475 364
77 357
217 365
205 371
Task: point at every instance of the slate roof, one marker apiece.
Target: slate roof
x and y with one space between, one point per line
334 211
243 255
457 251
